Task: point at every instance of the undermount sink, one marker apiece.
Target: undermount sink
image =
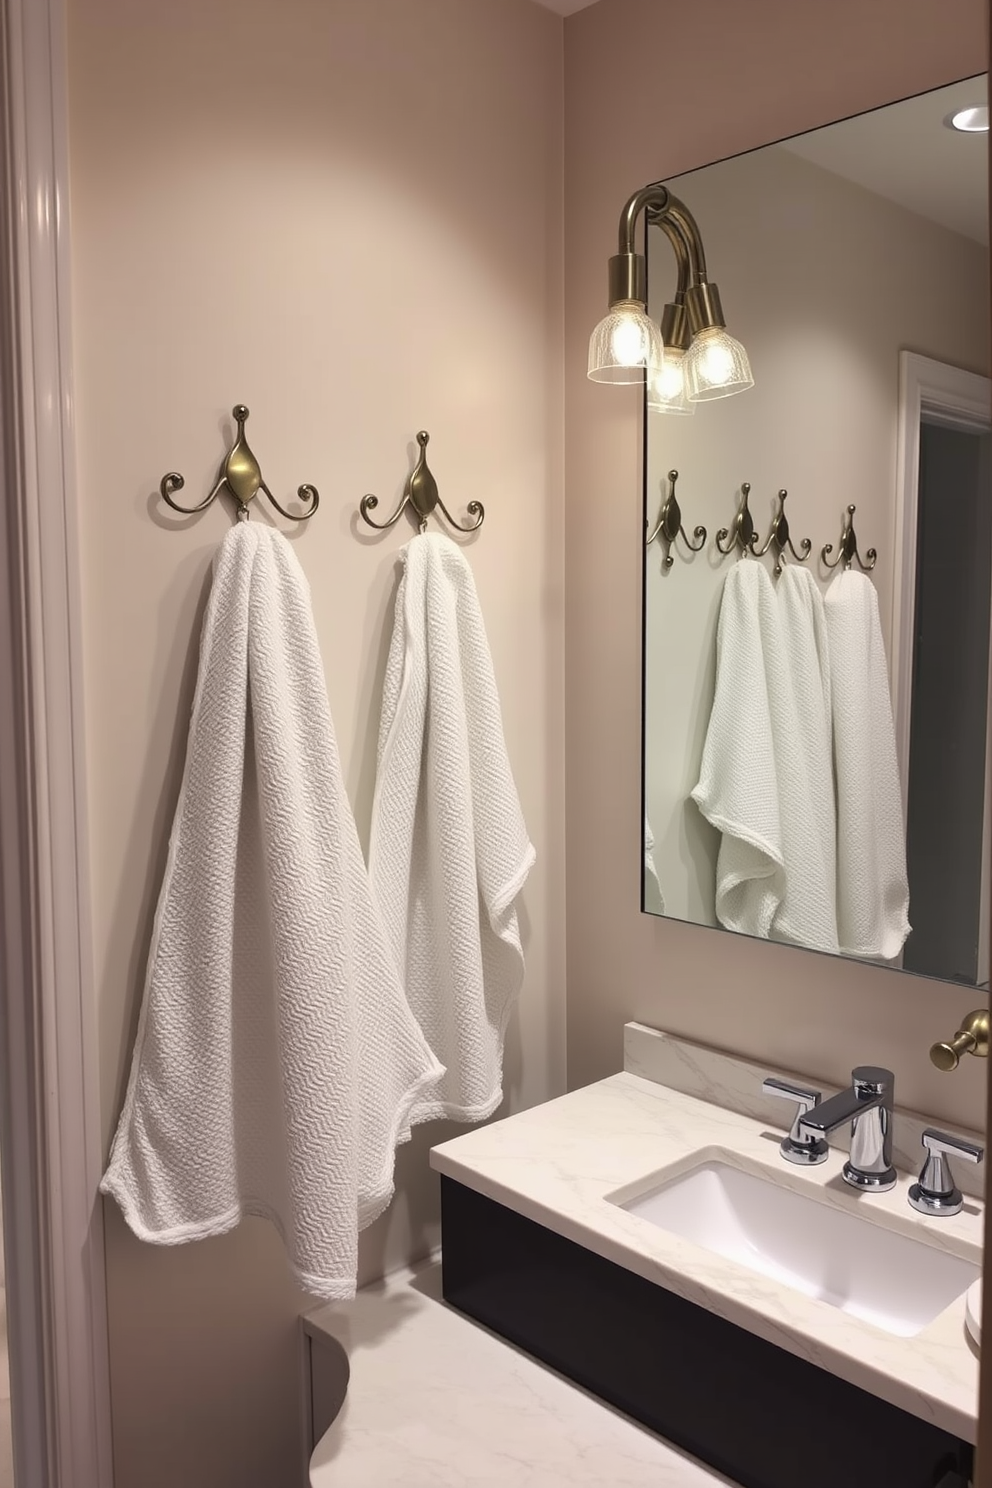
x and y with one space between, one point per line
860 1266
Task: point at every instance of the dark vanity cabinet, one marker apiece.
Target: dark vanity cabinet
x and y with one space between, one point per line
752 1411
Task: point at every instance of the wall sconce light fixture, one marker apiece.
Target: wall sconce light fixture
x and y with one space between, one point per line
693 357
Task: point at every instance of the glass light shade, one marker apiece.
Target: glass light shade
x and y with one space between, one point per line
666 389
623 344
716 365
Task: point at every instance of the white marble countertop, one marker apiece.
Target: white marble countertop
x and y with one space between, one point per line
558 1162
436 1401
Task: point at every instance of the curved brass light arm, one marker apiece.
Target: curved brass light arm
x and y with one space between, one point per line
674 320
654 198
689 228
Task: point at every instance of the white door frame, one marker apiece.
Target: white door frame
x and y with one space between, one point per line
946 395
50 1137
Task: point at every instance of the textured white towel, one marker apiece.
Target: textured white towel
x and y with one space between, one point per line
276 1060
804 631
754 782
449 851
872 887
654 899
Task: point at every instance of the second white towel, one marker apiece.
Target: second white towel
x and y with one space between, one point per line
872 885
755 783
449 851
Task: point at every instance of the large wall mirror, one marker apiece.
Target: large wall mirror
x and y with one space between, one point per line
853 265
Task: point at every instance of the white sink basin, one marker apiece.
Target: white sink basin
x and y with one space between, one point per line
886 1278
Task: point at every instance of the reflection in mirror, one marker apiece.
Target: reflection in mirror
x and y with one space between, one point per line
815 740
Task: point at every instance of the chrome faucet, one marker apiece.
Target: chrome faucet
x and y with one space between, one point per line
868 1107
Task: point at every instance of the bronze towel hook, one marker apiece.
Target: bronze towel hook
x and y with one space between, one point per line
848 548
241 477
669 526
421 493
742 534
778 537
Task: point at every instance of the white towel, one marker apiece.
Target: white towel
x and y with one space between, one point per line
754 782
804 630
449 851
872 887
276 1059
654 899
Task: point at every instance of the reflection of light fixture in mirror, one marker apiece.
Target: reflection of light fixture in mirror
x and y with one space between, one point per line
716 365
704 361
973 120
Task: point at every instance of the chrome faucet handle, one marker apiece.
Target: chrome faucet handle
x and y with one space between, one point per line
936 1192
798 1146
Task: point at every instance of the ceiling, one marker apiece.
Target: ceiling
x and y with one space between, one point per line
905 153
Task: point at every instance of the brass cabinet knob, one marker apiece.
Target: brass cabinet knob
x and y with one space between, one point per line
971 1038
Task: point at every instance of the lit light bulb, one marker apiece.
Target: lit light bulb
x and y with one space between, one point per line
716 365
625 342
669 383
628 342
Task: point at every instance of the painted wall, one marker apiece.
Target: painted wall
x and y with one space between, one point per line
824 326
675 87
346 214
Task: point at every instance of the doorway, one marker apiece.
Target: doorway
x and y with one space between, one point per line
946 818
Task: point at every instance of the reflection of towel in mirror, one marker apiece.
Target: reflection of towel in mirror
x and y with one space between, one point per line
804 631
276 1059
872 887
654 899
449 851
754 783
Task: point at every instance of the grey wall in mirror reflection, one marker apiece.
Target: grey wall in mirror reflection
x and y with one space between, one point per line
834 252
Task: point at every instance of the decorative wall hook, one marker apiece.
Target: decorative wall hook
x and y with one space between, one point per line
848 547
742 534
241 477
778 537
421 493
669 525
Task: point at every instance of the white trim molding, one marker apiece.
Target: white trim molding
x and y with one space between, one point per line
932 392
49 1131
943 395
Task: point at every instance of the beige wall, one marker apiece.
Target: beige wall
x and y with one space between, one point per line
347 214
652 90
824 325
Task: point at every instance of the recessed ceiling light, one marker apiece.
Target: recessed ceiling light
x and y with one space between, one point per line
973 120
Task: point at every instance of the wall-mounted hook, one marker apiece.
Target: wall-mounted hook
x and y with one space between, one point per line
421 493
848 547
669 525
742 534
241 477
778 537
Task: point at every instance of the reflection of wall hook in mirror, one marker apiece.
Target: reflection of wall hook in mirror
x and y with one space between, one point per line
669 525
421 493
848 548
742 534
778 537
241 477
